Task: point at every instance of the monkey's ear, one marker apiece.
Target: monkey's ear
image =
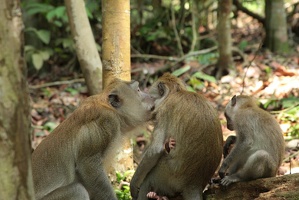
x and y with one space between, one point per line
161 89
114 100
134 84
233 100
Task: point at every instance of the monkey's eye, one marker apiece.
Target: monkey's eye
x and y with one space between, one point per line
161 89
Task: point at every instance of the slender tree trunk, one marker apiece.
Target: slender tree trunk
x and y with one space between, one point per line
88 55
195 25
225 60
15 145
116 40
117 59
276 27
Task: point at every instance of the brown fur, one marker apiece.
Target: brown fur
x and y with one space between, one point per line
191 120
70 163
259 147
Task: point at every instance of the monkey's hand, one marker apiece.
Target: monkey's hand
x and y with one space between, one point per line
153 195
169 145
222 171
226 181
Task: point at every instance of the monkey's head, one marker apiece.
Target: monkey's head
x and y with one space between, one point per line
133 106
236 104
164 86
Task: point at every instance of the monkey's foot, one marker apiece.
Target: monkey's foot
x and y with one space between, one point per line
227 180
153 195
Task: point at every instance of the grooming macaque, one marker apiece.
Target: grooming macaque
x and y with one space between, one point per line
71 162
259 147
193 123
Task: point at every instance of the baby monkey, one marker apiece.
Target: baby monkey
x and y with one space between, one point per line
259 147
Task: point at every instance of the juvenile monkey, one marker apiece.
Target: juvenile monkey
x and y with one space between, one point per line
259 148
70 163
193 123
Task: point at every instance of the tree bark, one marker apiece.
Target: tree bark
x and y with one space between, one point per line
116 40
276 27
116 58
15 145
88 55
225 60
275 188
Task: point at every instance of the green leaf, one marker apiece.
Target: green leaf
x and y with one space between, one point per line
72 91
28 48
37 60
45 54
58 13
129 172
44 36
189 88
203 76
50 126
181 71
243 44
34 8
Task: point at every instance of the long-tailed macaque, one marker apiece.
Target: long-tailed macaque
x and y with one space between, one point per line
190 120
70 163
259 147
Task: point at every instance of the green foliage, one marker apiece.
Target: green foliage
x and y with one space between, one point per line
123 191
47 32
181 71
289 113
44 32
50 126
243 44
196 81
72 91
208 58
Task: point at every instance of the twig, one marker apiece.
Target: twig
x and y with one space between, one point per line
80 80
194 53
240 7
178 39
250 63
290 156
170 58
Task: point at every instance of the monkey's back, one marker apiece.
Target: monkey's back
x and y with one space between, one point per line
266 132
194 124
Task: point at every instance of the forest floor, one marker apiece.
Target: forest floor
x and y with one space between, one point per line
273 79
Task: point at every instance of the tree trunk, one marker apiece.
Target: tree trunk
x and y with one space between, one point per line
15 145
116 58
116 40
276 27
225 60
195 25
88 55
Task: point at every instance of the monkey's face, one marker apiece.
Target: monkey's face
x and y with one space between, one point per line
229 122
229 111
133 105
163 86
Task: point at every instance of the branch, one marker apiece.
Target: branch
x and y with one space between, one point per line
240 7
170 58
194 53
176 31
33 87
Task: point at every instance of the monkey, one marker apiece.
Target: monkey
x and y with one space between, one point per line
71 162
259 147
193 123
